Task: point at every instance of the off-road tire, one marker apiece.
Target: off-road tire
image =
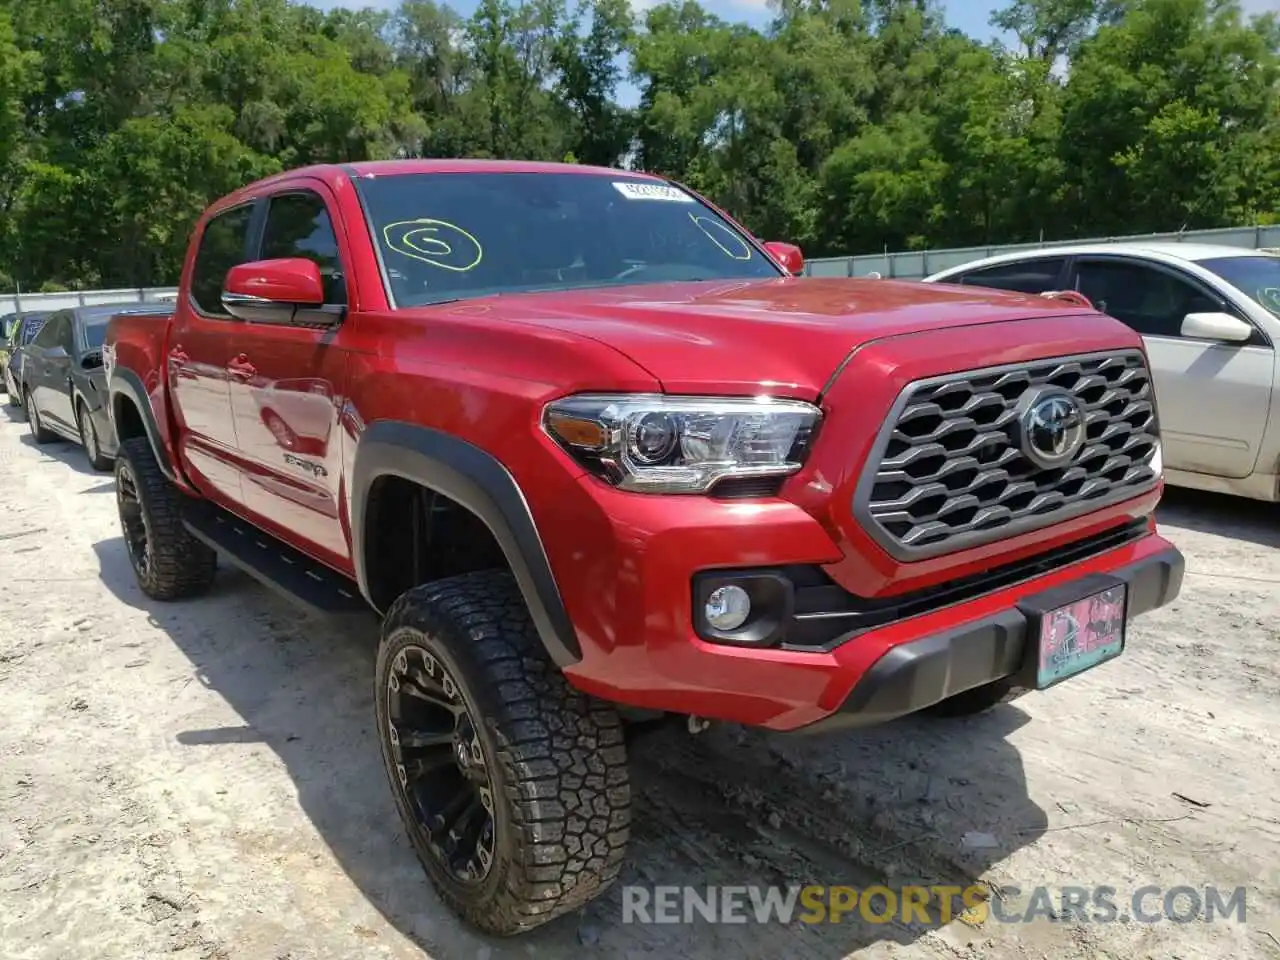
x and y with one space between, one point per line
177 564
978 699
39 432
556 757
89 438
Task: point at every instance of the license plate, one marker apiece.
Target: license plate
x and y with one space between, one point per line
1080 635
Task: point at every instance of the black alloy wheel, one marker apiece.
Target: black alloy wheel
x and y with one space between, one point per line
440 764
133 522
511 784
169 562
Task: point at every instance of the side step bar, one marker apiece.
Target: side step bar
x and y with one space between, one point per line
296 576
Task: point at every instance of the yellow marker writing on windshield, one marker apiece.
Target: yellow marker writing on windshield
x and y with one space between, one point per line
703 223
434 242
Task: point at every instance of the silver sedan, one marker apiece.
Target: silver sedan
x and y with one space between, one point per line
1210 318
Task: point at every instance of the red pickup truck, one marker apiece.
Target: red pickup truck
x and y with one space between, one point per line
592 452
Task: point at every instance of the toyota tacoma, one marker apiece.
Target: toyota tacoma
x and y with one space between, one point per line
590 451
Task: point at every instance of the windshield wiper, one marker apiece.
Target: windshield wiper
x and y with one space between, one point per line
448 300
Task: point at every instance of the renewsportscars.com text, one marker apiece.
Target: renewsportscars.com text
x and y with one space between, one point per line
939 904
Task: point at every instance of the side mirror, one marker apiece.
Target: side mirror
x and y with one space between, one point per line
289 290
1216 326
787 254
56 353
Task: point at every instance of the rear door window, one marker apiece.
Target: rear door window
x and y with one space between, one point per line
222 246
1022 276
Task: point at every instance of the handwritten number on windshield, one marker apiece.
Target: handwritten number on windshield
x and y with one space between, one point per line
435 242
723 237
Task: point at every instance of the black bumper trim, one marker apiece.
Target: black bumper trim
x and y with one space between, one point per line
918 674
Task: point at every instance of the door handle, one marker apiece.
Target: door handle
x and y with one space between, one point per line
178 356
240 367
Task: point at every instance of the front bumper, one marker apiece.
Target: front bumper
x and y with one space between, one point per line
920 673
633 600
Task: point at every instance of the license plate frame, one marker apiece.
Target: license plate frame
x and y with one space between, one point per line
1074 628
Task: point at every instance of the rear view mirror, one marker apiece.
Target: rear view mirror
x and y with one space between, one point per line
787 254
1222 327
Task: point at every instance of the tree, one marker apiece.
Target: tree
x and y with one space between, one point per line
845 125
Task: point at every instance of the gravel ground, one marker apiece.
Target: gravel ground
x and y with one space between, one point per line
202 780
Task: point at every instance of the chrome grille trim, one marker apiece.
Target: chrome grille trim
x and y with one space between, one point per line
947 472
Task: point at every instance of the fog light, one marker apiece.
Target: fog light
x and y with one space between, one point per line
727 608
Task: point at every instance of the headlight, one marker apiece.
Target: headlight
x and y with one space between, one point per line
660 444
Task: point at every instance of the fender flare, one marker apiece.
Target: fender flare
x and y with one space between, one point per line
480 483
127 386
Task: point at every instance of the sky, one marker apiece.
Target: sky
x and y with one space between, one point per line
971 16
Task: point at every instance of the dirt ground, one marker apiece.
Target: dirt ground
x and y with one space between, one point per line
202 779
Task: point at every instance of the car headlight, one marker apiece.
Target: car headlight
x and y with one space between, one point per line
660 444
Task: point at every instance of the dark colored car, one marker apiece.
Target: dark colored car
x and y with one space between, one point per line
16 331
62 382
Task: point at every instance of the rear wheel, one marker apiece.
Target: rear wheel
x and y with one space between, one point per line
39 432
89 439
511 784
167 560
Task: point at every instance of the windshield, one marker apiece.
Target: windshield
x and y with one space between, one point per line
454 235
1256 276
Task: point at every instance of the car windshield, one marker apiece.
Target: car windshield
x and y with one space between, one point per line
458 235
1256 276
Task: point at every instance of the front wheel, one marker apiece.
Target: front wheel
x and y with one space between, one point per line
512 785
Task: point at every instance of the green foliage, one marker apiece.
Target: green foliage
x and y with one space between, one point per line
846 125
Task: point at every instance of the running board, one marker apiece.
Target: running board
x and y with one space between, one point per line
273 562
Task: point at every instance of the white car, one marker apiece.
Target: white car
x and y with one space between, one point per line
1210 317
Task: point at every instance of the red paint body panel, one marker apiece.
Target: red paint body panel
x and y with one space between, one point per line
483 371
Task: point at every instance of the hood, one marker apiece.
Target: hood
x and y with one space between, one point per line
784 336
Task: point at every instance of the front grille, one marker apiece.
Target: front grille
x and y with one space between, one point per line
949 470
